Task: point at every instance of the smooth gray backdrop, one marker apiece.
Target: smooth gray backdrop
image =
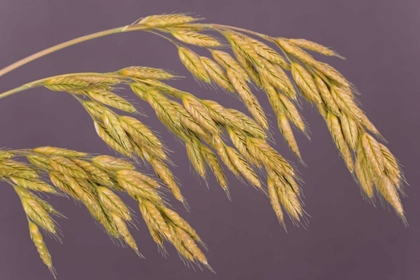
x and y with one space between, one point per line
346 239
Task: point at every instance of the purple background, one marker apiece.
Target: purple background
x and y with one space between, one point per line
347 238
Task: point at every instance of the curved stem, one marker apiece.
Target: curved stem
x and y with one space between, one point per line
69 43
15 90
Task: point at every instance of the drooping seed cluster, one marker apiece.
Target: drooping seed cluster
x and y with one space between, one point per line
201 124
238 65
95 182
376 169
126 135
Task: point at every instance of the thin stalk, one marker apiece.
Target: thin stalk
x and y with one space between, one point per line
69 43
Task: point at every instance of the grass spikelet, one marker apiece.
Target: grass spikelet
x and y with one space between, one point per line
216 73
249 99
350 130
392 167
292 113
96 174
249 67
286 85
20 169
373 154
66 166
59 181
221 150
219 113
138 184
112 163
113 203
141 72
295 51
195 38
326 95
195 156
125 233
275 202
276 76
334 126
273 97
389 192
241 45
291 181
305 83
154 218
85 192
183 251
78 190
238 139
43 252
363 174
193 63
251 126
33 184
65 84
39 161
187 122
315 47
54 151
216 168
199 113
166 20
164 109
228 62
332 74
268 53
111 99
233 118
80 82
288 199
180 222
149 84
143 137
110 141
189 243
346 103
94 109
287 132
168 179
369 125
240 163
114 128
142 90
137 175
138 189
268 156
47 207
37 213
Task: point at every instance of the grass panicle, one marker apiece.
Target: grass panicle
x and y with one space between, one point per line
215 137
